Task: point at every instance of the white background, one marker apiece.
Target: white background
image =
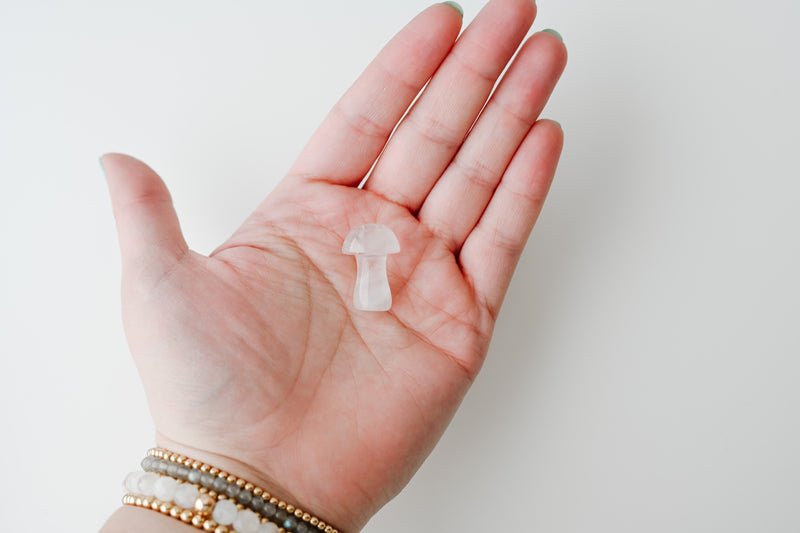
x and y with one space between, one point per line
644 373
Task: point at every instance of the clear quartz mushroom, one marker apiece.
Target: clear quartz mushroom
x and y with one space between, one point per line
371 243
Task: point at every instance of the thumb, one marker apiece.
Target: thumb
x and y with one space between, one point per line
150 237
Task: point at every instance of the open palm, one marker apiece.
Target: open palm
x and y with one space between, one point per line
255 358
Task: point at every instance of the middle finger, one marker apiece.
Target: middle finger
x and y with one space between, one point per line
430 135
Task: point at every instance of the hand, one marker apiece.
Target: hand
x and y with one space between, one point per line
253 358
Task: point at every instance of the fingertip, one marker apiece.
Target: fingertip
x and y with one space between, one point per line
551 31
449 17
523 10
559 48
113 164
559 133
114 160
456 6
550 133
529 9
551 124
550 42
103 159
130 180
109 156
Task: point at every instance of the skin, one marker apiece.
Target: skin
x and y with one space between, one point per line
253 358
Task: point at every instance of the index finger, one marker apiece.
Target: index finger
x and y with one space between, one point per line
351 137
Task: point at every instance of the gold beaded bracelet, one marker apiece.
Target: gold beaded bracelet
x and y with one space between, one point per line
194 518
230 479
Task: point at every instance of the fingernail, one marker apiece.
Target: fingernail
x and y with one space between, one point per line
554 32
455 6
100 160
558 124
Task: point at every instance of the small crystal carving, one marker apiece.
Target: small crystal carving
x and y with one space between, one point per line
371 243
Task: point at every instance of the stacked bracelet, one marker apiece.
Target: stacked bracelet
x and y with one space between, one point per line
212 499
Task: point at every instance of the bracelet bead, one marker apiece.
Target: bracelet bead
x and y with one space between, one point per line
164 488
246 521
225 512
186 494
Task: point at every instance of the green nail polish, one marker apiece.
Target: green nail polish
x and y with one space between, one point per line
455 6
554 32
102 168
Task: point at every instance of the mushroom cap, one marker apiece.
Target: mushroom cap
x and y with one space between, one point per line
371 239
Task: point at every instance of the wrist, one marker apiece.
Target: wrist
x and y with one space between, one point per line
245 485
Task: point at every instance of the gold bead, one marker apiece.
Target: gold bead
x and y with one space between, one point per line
196 464
274 500
249 486
197 520
204 468
214 495
222 529
258 491
281 505
306 517
298 513
290 509
175 512
186 516
314 521
214 471
155 504
328 529
165 507
231 478
210 525
321 525
241 483
172 458
204 504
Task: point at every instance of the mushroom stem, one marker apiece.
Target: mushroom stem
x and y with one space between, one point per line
372 292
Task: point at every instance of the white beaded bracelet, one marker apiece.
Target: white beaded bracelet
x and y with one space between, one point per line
192 504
